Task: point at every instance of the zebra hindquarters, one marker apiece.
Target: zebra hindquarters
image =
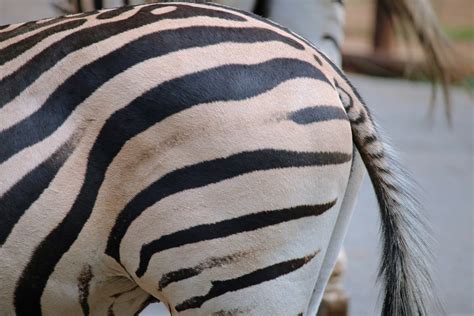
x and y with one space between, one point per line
245 199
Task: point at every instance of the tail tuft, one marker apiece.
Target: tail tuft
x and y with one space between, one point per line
408 288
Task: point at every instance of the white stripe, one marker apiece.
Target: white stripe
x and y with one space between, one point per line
12 27
91 114
31 99
22 36
11 66
123 88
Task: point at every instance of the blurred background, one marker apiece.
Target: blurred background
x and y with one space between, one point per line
440 157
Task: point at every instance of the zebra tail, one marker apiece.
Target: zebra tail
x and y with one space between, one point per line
404 268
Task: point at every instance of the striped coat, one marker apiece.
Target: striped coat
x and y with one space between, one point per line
188 153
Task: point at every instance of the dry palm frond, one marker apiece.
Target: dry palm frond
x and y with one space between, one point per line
418 17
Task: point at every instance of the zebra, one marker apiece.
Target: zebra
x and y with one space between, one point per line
191 153
326 29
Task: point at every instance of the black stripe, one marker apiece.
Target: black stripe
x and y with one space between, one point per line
113 13
318 113
391 187
226 228
360 119
318 60
382 170
229 82
377 156
19 198
330 38
28 27
329 61
261 19
83 287
247 280
84 82
215 86
369 140
186 273
352 88
10 52
15 83
231 312
209 172
349 97
4 26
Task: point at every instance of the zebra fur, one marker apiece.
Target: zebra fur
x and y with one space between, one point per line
415 18
76 135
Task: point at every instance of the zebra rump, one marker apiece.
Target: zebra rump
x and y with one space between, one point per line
404 267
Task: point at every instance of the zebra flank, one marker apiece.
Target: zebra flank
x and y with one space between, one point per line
185 273
226 228
188 153
27 190
12 51
268 273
